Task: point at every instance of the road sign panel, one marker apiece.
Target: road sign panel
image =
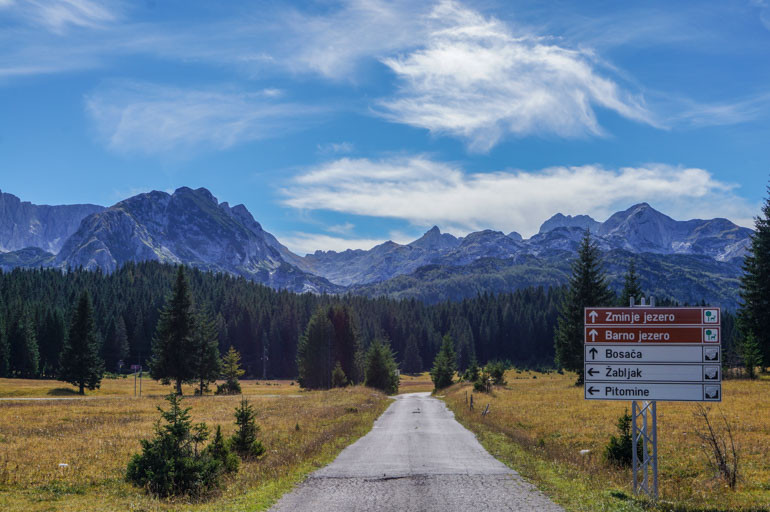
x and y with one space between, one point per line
680 392
652 316
650 353
647 334
648 373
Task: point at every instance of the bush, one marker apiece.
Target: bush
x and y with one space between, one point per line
230 387
339 380
245 441
619 451
496 370
472 373
170 464
220 450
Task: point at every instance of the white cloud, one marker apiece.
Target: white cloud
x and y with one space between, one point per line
341 229
59 15
724 113
476 79
335 148
425 192
149 118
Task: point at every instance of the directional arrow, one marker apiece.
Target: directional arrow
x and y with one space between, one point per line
592 390
593 372
593 353
592 333
593 315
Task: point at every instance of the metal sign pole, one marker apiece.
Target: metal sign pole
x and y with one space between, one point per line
644 422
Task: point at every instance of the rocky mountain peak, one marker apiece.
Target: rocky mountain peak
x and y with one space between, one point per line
568 221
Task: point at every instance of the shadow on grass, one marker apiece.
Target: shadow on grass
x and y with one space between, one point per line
63 392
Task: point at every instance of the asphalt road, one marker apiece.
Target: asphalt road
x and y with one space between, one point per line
416 458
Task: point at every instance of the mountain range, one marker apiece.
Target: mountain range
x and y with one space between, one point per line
687 260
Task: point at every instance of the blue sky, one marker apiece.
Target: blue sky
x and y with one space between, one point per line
344 124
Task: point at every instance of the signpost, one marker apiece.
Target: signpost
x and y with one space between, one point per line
645 354
137 368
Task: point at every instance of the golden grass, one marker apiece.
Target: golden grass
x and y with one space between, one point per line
124 387
96 438
415 383
538 423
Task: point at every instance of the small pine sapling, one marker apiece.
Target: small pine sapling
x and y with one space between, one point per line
245 441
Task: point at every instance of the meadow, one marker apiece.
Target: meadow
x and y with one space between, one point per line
61 453
538 423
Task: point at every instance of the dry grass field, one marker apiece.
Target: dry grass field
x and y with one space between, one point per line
538 424
96 437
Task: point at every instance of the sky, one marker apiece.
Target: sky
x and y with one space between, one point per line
342 124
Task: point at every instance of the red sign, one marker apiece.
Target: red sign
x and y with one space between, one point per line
652 316
650 334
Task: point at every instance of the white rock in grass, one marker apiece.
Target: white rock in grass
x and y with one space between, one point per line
63 465
584 452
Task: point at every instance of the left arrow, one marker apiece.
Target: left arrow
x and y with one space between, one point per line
592 390
593 372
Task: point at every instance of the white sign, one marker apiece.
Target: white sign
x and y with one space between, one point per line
648 353
652 373
684 392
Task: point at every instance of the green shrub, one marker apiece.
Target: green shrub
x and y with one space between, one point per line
245 441
230 387
619 451
339 380
496 370
171 464
220 450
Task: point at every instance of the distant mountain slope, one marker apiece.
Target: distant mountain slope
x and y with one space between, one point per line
639 229
30 257
190 227
23 224
685 278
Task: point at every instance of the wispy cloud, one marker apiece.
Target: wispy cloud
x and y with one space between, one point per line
476 79
337 148
426 192
150 118
341 229
59 15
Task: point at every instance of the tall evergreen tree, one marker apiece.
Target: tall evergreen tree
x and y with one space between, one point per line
206 363
172 345
231 371
345 340
412 360
381 368
587 288
81 364
25 357
51 338
116 347
631 287
444 366
5 349
754 314
314 353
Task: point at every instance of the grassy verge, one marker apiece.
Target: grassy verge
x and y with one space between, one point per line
538 424
95 438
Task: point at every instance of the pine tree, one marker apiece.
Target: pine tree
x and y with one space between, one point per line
444 366
412 359
25 357
244 440
231 371
206 363
116 347
172 345
754 314
381 368
751 355
314 353
631 287
587 288
339 380
81 365
5 350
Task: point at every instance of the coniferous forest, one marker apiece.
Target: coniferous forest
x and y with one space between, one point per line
262 324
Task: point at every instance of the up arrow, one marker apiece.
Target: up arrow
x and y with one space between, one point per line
593 315
592 333
593 353
592 390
